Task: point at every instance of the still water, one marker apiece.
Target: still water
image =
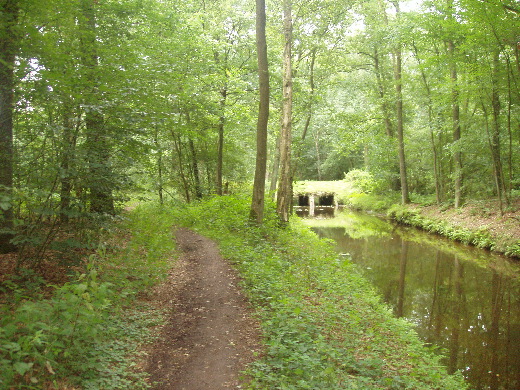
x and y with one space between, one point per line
463 300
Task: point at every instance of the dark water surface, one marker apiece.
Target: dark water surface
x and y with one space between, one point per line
461 299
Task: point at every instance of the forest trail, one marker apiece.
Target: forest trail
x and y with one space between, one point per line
210 335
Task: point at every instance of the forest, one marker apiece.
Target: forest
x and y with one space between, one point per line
102 101
106 104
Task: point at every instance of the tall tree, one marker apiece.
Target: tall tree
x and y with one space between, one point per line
284 194
257 204
455 107
98 147
9 41
405 198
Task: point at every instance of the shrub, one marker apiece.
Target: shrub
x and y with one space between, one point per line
361 180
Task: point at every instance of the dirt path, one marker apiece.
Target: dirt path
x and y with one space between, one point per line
210 335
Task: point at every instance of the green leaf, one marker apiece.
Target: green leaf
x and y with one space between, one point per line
22 367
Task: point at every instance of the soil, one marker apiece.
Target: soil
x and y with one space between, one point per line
210 335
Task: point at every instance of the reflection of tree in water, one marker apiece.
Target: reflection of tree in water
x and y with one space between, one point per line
471 312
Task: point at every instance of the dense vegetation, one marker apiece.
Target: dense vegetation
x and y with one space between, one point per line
323 324
106 101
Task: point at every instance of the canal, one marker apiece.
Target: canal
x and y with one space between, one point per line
462 300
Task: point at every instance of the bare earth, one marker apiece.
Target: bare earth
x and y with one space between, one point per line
210 335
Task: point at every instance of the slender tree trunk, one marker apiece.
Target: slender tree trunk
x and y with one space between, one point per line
284 196
509 128
276 166
178 149
8 49
257 204
195 170
438 197
495 139
312 87
220 143
318 154
98 147
159 161
69 138
382 94
405 198
457 154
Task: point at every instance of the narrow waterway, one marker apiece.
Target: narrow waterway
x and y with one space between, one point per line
463 300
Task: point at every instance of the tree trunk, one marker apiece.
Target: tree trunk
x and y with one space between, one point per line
495 139
178 149
68 147
382 94
276 166
438 196
220 142
307 124
195 170
457 154
98 149
405 198
311 93
8 49
284 196
159 161
257 204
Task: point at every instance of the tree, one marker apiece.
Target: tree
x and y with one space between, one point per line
284 194
405 198
9 37
457 154
257 204
98 148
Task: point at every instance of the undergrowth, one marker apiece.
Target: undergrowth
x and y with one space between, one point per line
86 332
324 326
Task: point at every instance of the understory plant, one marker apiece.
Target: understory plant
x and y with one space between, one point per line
324 326
86 332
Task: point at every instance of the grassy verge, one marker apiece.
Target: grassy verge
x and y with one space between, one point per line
324 326
476 223
86 333
476 232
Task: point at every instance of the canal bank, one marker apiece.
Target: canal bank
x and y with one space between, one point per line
478 223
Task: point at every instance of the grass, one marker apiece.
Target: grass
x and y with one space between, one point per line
324 326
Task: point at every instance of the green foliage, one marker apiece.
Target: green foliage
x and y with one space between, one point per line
361 180
366 202
324 327
513 250
88 330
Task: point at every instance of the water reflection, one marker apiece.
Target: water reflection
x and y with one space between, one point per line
319 211
471 311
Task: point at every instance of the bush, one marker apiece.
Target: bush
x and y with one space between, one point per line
361 180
